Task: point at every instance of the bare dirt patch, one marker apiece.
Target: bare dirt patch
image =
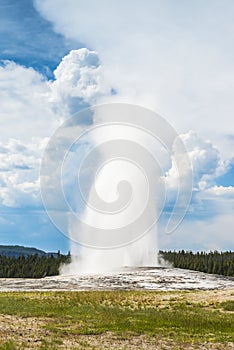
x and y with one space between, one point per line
29 333
23 331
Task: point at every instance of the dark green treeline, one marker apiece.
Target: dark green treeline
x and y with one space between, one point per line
32 266
220 263
38 266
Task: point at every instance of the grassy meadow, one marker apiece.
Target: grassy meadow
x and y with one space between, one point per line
117 320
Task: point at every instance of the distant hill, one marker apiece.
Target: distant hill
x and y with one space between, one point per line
16 251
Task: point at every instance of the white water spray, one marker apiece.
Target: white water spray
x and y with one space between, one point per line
122 203
110 211
140 251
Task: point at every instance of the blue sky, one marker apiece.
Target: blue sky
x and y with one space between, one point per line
175 58
29 39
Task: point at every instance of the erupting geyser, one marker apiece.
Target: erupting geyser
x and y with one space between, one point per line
115 243
104 183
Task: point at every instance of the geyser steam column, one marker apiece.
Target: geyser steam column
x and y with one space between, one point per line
102 182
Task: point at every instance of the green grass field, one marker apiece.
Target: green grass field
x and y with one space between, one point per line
116 320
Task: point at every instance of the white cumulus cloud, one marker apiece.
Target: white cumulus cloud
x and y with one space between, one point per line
78 81
219 191
206 162
31 109
19 173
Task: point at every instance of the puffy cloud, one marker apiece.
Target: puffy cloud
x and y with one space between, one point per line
19 173
24 195
219 191
164 55
205 160
78 80
207 198
32 108
16 155
25 111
